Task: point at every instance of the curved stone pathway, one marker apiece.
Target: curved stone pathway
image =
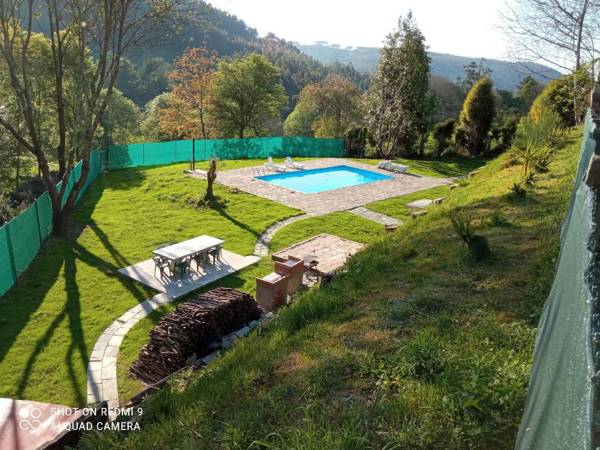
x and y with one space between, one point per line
262 244
102 369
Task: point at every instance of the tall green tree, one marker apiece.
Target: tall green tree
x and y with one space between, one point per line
476 117
527 91
76 84
326 109
247 94
398 101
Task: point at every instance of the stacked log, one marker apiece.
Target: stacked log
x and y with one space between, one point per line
192 329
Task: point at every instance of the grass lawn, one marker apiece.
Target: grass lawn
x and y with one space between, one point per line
396 206
343 224
52 317
416 346
446 166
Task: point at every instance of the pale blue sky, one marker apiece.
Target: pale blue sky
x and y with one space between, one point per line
460 27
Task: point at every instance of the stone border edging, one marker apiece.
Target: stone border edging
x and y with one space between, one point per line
102 368
261 248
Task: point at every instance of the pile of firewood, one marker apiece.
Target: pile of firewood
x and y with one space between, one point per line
192 329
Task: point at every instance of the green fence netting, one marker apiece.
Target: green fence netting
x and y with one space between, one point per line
560 401
156 153
22 237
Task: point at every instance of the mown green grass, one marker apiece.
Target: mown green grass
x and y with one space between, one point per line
416 346
342 224
52 317
396 206
446 166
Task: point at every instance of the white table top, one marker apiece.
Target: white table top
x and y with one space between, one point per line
424 203
184 249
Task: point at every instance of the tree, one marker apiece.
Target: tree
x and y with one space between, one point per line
151 127
566 96
188 102
211 176
441 134
449 98
300 121
473 73
559 32
247 93
398 101
120 123
76 81
477 116
527 91
327 108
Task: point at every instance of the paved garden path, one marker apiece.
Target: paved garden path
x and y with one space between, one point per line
262 244
102 369
375 216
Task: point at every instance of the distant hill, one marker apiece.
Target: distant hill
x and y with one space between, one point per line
506 75
227 35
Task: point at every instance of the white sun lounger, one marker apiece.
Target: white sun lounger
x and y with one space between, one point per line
392 167
274 167
290 164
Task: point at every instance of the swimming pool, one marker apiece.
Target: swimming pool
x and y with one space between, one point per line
326 179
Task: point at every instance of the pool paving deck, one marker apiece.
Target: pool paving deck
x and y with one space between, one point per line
342 199
331 252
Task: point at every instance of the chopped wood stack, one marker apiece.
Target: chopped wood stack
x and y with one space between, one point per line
191 329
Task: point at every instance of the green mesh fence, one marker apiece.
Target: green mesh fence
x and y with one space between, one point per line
156 153
22 237
560 401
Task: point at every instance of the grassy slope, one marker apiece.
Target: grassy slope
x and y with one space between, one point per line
51 319
416 346
447 166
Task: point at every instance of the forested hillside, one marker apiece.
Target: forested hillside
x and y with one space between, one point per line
506 75
144 76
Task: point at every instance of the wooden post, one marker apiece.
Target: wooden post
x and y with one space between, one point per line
193 155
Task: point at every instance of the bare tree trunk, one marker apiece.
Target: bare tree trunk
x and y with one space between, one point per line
211 176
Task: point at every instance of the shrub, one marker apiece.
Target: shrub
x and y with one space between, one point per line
566 96
355 141
530 156
502 136
497 219
462 223
424 355
518 189
547 129
441 134
476 117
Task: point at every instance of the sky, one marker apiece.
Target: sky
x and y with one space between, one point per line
460 27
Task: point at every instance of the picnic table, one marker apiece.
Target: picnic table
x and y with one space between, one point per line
178 252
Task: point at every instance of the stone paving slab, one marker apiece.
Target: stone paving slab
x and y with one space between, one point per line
174 287
331 251
325 202
375 216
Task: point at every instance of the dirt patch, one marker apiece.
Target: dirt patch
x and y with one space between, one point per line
293 363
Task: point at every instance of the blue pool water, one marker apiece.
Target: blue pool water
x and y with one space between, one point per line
319 180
